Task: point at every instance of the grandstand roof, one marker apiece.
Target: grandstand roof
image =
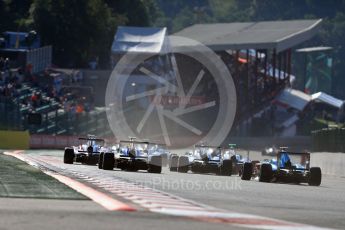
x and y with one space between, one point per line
328 99
294 98
279 35
138 39
298 100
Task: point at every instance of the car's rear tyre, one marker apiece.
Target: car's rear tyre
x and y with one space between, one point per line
173 163
155 165
315 176
68 156
247 171
226 168
108 161
100 160
266 173
183 164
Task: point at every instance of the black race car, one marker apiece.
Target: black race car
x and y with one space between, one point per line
134 155
87 152
204 159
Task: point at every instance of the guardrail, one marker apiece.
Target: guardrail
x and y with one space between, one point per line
38 141
329 140
330 163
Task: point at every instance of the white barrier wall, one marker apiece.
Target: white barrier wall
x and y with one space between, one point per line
330 163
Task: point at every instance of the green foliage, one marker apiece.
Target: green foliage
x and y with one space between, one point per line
13 14
81 30
180 14
78 30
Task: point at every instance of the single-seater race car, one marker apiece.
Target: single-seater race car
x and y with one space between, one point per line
203 159
236 159
288 167
87 152
134 155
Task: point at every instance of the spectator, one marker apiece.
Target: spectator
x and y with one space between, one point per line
79 109
57 84
2 64
2 82
7 64
80 76
34 100
72 112
66 105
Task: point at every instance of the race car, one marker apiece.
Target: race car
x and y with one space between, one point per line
87 152
203 159
288 167
236 159
134 155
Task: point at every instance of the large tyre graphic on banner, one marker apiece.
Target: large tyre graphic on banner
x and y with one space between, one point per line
182 97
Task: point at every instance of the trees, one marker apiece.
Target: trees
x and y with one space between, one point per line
78 30
180 14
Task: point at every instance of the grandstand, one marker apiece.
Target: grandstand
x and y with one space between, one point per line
49 103
258 55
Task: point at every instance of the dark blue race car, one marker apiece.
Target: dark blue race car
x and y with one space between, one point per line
288 167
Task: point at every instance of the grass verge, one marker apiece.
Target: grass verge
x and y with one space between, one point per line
18 179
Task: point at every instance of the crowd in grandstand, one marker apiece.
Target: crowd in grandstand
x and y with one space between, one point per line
30 93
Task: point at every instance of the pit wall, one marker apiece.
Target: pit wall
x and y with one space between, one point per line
56 142
329 140
297 144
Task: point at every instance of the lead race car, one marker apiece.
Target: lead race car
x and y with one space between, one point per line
288 167
203 159
87 152
134 155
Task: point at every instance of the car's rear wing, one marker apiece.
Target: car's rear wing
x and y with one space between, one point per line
305 158
140 142
90 139
134 142
207 146
294 153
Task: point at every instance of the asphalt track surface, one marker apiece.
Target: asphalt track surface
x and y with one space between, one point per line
322 206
